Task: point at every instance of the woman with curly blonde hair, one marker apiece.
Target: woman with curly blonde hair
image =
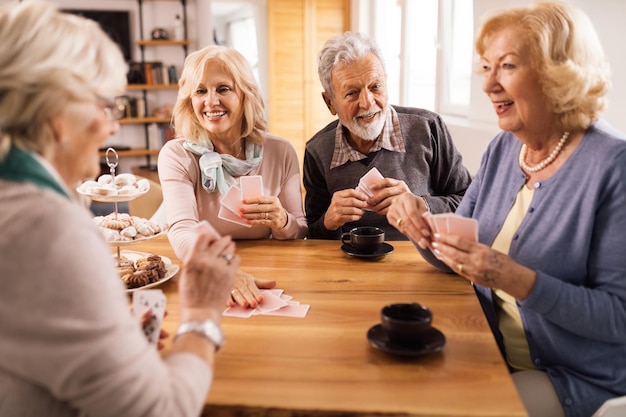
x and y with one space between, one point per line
550 198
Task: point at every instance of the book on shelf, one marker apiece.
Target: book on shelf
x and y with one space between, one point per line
135 107
172 74
151 72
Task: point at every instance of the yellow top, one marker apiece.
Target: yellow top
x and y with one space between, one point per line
509 319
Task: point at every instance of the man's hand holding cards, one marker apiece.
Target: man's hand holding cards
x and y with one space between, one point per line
367 180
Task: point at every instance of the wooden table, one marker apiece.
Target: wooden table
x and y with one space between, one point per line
323 364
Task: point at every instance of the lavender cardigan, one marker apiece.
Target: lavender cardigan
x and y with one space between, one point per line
574 236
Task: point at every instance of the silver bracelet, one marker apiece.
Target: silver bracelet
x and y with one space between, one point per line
207 328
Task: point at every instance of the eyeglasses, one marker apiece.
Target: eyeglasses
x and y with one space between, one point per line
114 108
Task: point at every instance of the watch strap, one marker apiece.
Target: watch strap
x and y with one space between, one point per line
207 328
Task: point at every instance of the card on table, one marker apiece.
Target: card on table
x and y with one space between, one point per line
251 186
270 302
152 300
291 310
275 303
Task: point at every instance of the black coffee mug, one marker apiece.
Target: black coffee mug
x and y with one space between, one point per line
365 239
404 323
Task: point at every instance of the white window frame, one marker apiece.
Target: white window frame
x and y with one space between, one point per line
364 21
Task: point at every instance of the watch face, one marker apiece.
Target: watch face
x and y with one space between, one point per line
214 333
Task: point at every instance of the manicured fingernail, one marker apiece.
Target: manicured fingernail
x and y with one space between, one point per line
423 243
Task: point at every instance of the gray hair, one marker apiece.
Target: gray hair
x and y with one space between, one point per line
346 48
50 63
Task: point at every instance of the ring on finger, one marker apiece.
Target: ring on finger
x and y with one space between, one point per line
399 222
227 257
266 216
232 293
459 267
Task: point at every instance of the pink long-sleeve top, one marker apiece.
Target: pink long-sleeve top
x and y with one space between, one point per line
187 202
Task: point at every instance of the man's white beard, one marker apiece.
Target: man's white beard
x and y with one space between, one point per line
371 131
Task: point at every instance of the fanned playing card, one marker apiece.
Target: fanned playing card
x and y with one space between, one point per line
152 300
367 180
453 224
228 215
251 186
462 226
232 200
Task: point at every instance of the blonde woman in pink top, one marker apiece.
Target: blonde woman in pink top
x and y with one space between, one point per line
222 135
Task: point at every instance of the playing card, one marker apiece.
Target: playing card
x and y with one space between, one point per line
238 311
428 217
232 200
372 176
368 180
227 214
441 222
291 310
270 302
462 226
251 186
152 300
275 303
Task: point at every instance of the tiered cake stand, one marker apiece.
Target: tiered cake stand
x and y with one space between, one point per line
112 159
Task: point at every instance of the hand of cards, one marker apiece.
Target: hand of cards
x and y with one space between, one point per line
452 224
154 301
368 180
232 202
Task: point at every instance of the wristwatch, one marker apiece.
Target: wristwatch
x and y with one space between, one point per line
207 328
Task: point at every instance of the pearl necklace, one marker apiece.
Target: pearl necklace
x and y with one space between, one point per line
541 165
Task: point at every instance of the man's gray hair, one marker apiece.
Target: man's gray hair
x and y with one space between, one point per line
346 48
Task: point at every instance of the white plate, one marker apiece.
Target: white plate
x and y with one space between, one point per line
170 268
132 242
111 198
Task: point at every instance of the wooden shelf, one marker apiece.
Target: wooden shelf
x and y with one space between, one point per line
133 152
145 120
141 87
150 42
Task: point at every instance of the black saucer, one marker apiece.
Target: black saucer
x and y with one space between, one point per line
383 249
432 341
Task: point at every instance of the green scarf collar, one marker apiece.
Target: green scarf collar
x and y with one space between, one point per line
21 166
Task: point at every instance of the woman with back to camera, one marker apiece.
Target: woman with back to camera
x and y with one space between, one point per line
222 136
550 198
70 345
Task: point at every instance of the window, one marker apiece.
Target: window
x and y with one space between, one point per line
428 50
243 38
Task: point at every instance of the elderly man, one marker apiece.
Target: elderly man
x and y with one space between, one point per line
410 147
